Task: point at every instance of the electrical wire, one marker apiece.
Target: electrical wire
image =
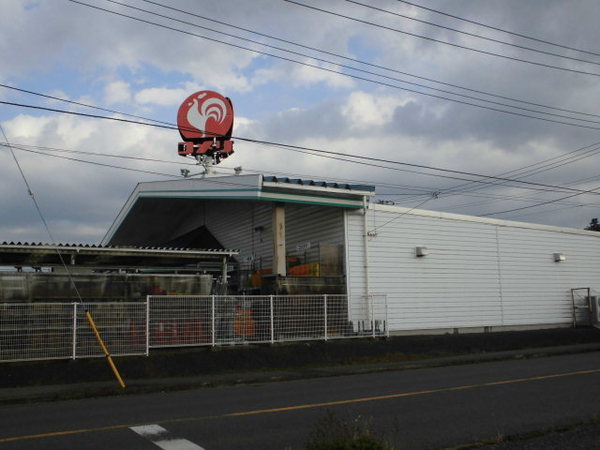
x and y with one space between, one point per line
524 36
29 149
470 97
439 41
377 66
503 197
94 162
106 155
430 195
433 196
450 191
256 141
475 35
539 167
40 213
550 210
365 160
72 102
41 149
357 77
538 204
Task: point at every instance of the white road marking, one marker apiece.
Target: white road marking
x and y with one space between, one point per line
163 439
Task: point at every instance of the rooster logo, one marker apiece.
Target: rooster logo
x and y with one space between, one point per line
202 108
205 115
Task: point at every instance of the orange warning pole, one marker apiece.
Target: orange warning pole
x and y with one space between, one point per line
104 349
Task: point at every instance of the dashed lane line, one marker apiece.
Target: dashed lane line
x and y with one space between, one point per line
162 438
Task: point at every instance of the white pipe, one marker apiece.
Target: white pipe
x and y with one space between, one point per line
366 249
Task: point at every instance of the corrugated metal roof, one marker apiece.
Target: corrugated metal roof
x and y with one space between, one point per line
98 256
99 247
302 182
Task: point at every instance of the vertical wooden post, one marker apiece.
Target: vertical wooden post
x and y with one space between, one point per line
279 266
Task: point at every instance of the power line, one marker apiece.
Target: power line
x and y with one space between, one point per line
446 191
344 158
431 197
107 155
27 147
367 72
539 204
516 197
470 97
357 77
423 166
40 213
439 41
551 210
531 38
452 191
24 148
99 108
91 116
93 162
337 55
504 198
320 152
539 167
487 196
475 35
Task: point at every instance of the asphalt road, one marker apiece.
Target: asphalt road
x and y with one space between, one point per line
425 408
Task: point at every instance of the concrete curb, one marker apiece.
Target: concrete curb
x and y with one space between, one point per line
137 386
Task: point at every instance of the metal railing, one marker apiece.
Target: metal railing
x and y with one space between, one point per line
34 331
30 331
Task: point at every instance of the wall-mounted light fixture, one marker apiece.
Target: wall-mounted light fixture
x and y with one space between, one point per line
421 251
559 257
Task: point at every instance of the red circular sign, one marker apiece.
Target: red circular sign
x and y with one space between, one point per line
205 115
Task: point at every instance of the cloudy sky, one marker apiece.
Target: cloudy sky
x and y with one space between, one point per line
512 92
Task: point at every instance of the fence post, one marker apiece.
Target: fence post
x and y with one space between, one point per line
373 315
325 308
272 320
147 325
213 320
387 323
74 340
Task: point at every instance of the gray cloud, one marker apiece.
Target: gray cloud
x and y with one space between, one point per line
80 51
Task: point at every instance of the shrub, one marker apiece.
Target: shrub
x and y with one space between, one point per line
333 433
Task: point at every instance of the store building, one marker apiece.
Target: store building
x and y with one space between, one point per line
438 271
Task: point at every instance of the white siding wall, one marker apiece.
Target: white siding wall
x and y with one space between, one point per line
477 274
535 287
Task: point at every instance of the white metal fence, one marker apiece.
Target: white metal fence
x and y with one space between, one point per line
30 331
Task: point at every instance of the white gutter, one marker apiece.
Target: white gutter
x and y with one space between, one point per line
366 248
